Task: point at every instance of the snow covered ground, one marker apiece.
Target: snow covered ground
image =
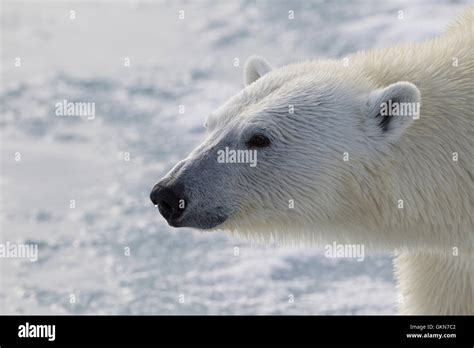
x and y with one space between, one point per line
83 263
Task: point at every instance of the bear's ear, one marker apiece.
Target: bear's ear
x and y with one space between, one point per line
391 110
255 67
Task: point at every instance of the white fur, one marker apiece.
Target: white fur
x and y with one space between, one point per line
356 201
255 68
437 192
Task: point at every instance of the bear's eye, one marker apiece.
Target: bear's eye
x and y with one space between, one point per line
258 140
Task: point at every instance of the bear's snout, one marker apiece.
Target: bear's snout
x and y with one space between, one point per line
170 201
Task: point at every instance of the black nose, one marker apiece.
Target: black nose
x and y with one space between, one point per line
169 199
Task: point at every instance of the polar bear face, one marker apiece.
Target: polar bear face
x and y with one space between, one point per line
279 153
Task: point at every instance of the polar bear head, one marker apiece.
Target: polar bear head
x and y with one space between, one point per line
299 146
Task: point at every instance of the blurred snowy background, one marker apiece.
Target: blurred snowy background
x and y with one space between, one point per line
173 62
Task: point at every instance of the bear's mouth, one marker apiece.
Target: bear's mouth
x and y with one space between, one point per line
203 221
207 222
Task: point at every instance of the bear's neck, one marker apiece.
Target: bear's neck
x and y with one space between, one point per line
430 174
425 195
419 197
435 283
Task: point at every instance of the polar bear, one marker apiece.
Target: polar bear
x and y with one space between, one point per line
375 149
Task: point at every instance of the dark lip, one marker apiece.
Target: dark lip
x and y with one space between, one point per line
199 222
